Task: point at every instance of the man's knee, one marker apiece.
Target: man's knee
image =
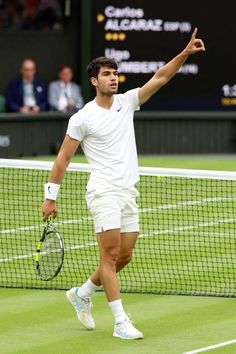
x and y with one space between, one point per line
110 255
124 258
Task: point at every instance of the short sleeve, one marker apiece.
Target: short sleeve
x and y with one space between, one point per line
76 127
132 99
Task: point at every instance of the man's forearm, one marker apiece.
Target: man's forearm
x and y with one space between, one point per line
171 68
164 74
67 150
58 170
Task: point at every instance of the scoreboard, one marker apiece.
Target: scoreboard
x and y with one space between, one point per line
143 35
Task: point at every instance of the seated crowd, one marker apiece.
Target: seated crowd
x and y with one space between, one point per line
29 94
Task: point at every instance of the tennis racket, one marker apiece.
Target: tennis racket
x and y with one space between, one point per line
50 253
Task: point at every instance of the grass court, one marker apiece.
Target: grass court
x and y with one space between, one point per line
42 321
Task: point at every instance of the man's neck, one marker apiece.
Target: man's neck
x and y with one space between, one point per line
104 101
26 81
64 83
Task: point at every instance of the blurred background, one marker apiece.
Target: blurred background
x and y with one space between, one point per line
193 114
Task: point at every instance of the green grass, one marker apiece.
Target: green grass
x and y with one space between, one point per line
221 163
42 322
186 243
205 162
186 250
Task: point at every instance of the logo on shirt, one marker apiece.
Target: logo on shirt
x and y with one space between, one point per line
118 110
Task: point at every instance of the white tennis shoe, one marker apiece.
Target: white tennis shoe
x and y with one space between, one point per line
82 307
126 330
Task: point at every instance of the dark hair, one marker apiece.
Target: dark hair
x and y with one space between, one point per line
64 66
95 65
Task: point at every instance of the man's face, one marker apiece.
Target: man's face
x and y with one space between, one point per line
107 81
28 70
66 75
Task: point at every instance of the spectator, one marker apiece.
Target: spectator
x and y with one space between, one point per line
26 94
63 94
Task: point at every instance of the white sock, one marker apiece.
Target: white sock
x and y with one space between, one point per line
87 289
117 311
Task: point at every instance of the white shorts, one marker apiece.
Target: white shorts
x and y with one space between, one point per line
114 210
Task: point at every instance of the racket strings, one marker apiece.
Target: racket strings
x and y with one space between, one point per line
50 256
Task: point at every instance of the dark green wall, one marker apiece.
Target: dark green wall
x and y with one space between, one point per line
156 133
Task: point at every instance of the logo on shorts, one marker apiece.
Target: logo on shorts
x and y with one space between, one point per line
49 189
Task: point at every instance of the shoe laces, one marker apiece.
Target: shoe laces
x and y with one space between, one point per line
128 318
87 301
127 322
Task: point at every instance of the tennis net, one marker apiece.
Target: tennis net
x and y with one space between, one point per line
187 243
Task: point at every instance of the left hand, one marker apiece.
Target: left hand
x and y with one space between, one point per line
49 207
195 45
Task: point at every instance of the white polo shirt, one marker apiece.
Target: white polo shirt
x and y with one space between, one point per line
108 141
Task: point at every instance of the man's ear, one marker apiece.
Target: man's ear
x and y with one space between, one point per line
94 81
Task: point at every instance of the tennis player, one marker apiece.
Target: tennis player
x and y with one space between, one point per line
104 128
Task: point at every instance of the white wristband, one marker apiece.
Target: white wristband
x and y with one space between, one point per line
51 190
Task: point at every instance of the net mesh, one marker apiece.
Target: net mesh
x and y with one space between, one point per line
187 242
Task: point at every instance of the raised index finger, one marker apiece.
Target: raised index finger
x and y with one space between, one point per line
194 33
